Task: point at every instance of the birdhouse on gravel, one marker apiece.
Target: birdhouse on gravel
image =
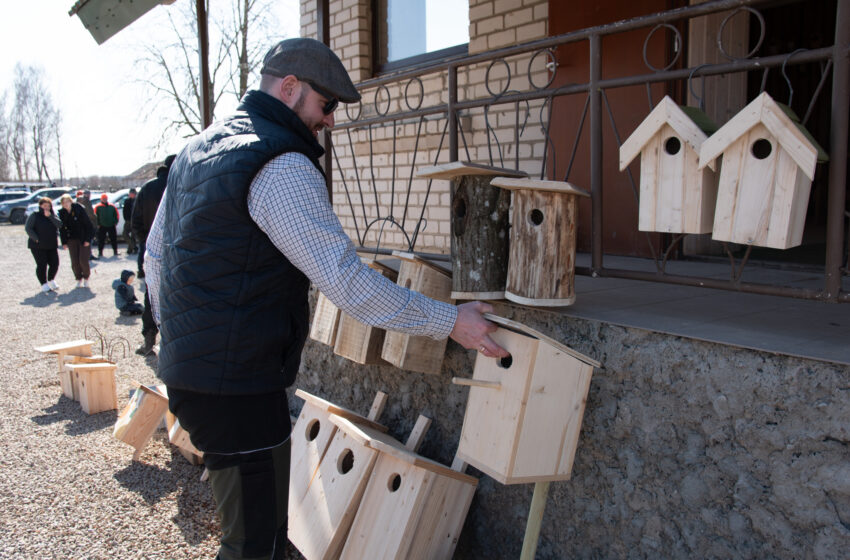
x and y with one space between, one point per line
524 412
419 353
541 266
63 350
323 495
479 228
676 194
356 341
768 166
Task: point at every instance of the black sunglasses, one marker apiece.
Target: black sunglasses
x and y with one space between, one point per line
332 102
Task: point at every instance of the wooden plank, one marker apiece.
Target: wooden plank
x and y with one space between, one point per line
96 386
671 178
331 408
755 194
791 201
417 435
69 347
311 436
535 520
442 521
792 140
732 131
378 405
520 184
325 321
649 189
476 383
516 326
140 419
456 169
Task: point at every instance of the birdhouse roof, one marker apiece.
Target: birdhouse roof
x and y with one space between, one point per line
518 184
528 331
667 112
386 444
414 258
764 110
459 168
331 408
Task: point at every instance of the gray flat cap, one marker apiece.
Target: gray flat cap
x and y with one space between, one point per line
311 60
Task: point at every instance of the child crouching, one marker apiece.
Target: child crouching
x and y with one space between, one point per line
125 295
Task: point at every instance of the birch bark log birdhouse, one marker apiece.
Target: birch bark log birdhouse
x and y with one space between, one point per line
357 341
541 265
676 195
768 167
322 501
479 228
419 353
413 508
524 413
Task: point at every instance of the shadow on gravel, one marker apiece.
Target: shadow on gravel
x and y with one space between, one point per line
80 423
127 319
196 517
150 482
77 295
41 299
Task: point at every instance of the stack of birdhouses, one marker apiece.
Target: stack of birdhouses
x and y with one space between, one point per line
83 377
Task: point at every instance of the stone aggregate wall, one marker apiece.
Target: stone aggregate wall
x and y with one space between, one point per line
688 449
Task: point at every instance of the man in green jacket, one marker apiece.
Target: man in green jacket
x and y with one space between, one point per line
107 219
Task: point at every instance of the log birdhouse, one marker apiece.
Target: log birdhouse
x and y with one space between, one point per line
768 165
541 266
419 353
323 496
524 412
479 226
413 508
676 195
356 341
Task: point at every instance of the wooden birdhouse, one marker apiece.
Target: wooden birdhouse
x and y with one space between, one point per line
413 508
96 385
768 166
359 342
419 353
479 226
325 321
179 438
322 502
141 417
63 350
524 412
541 266
676 195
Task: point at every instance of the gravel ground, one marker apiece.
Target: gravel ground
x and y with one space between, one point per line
68 489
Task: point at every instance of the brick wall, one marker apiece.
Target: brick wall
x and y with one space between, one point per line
373 166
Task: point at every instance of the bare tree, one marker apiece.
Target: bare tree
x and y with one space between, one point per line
170 71
4 140
33 124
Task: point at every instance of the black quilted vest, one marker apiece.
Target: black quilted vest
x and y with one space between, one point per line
234 312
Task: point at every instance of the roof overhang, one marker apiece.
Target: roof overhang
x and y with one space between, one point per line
105 18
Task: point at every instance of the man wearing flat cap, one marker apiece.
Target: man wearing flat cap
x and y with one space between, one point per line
244 227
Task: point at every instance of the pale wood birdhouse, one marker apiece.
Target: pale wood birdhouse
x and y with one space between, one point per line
676 194
419 353
541 266
524 412
141 417
325 321
479 226
324 495
359 342
413 508
768 165
62 350
96 385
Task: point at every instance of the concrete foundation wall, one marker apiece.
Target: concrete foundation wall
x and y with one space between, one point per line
688 449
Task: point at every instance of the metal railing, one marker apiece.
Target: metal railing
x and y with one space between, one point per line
833 61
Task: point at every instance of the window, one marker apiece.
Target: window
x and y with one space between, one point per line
411 32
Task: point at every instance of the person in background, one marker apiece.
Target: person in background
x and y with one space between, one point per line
42 227
76 233
107 219
127 211
144 211
125 295
244 227
84 200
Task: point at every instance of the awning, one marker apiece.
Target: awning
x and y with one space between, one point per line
105 18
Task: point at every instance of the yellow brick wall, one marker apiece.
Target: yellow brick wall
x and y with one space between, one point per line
493 24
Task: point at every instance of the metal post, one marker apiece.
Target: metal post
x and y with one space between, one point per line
204 54
452 115
838 151
595 151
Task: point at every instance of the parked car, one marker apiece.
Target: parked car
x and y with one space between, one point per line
15 210
12 195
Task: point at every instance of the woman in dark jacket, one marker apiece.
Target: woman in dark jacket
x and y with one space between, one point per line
41 227
76 233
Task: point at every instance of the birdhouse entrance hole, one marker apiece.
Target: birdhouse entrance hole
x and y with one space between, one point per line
313 430
346 462
394 483
761 148
506 362
672 146
536 217
460 208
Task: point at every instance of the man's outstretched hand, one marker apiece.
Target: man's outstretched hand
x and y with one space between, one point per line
472 331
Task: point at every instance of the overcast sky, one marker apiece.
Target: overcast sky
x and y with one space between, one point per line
103 132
